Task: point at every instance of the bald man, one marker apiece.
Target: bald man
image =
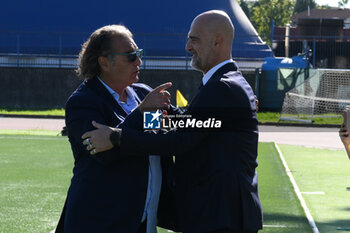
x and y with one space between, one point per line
216 180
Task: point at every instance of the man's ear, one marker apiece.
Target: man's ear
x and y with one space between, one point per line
104 63
218 40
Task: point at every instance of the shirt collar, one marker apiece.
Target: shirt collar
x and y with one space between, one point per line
210 73
116 95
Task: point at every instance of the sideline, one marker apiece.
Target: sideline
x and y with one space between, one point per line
327 138
260 123
323 138
9 123
31 116
309 217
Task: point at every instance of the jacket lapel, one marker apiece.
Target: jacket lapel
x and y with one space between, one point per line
223 70
96 86
216 76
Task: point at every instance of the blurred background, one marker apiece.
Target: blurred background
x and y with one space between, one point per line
40 41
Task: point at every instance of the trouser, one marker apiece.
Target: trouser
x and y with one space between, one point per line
143 227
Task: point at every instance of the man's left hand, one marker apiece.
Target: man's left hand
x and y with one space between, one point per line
98 140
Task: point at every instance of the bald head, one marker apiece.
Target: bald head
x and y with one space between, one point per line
210 39
216 22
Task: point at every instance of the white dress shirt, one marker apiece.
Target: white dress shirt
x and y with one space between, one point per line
210 73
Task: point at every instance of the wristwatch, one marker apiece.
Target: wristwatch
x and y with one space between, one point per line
115 136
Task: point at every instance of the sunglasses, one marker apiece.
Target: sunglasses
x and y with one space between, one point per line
132 56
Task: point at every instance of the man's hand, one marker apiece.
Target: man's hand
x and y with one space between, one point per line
344 136
98 140
158 98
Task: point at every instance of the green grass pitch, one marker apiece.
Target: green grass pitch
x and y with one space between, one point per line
35 172
326 172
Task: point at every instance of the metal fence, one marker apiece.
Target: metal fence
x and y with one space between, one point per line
60 50
37 49
325 51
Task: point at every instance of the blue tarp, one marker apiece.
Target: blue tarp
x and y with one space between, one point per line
159 26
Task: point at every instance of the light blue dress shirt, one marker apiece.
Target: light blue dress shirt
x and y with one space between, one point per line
154 169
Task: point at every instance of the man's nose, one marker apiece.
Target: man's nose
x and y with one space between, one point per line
138 61
188 46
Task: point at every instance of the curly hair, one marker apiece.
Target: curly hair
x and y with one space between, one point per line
99 44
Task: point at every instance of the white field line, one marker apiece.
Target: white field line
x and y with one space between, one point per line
298 193
313 193
275 226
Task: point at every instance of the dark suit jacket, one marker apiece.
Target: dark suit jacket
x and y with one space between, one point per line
108 191
216 181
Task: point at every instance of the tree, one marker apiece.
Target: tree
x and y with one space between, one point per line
302 5
342 3
279 11
244 7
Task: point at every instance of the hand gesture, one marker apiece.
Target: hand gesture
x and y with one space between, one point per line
158 98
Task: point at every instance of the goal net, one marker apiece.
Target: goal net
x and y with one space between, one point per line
324 94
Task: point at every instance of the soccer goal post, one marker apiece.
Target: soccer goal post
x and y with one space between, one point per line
324 94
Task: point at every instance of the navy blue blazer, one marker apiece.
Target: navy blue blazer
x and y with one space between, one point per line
216 181
108 191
